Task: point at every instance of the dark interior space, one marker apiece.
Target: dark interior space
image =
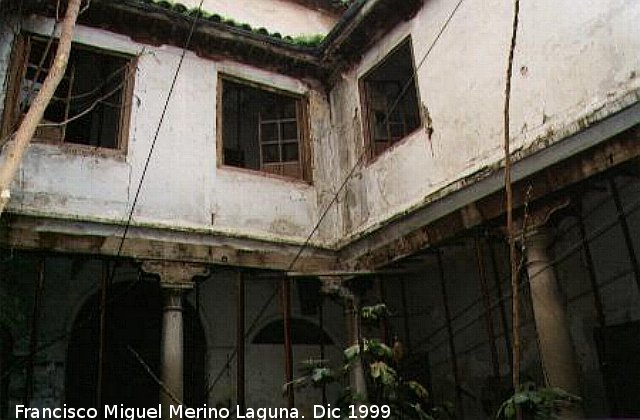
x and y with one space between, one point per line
261 130
302 332
619 346
6 344
391 99
90 96
134 321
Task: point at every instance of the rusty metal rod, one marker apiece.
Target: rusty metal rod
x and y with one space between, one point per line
593 281
33 339
452 345
382 298
104 279
240 342
633 259
405 315
486 302
504 320
288 350
322 346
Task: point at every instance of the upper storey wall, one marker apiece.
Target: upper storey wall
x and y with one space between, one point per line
185 187
285 17
573 63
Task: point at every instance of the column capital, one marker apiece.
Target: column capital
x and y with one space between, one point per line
539 215
174 275
541 236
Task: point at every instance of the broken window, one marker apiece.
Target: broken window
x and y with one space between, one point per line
390 100
263 130
89 107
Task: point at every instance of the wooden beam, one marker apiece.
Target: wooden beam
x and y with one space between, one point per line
68 236
384 246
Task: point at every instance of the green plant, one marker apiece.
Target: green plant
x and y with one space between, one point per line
406 399
536 403
307 40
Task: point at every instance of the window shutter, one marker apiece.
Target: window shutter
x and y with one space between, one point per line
11 112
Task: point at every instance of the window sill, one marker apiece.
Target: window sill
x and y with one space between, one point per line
254 172
83 150
372 159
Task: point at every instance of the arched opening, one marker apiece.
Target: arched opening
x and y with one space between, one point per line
134 322
302 332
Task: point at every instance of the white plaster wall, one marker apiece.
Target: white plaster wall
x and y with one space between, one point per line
571 62
285 17
183 186
569 66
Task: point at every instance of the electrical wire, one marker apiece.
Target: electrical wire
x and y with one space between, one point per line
342 186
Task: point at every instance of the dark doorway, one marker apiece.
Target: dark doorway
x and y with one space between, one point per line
619 346
134 321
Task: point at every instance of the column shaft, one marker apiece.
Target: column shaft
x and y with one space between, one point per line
171 351
556 349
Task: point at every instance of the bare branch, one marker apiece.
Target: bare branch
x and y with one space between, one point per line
16 148
515 291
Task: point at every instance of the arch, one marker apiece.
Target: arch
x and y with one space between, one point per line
135 320
303 332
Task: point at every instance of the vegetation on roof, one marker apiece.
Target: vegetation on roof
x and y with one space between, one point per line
299 40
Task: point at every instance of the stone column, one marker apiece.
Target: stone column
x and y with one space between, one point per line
175 279
356 377
332 285
556 348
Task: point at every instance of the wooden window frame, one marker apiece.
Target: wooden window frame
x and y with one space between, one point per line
16 74
367 123
303 123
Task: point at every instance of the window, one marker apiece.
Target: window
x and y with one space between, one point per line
390 100
263 130
91 104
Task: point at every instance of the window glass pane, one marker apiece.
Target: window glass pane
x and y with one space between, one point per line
90 94
289 108
289 131
269 132
391 99
290 152
260 126
270 154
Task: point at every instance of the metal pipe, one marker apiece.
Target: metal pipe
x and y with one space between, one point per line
33 340
240 342
486 301
288 350
322 347
506 330
104 279
593 281
452 345
633 259
405 315
382 298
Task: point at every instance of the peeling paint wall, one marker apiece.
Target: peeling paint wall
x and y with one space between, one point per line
183 186
572 64
285 17
572 68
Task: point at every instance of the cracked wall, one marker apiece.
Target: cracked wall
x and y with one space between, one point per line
572 68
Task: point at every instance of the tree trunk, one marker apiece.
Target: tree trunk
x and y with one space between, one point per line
17 146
